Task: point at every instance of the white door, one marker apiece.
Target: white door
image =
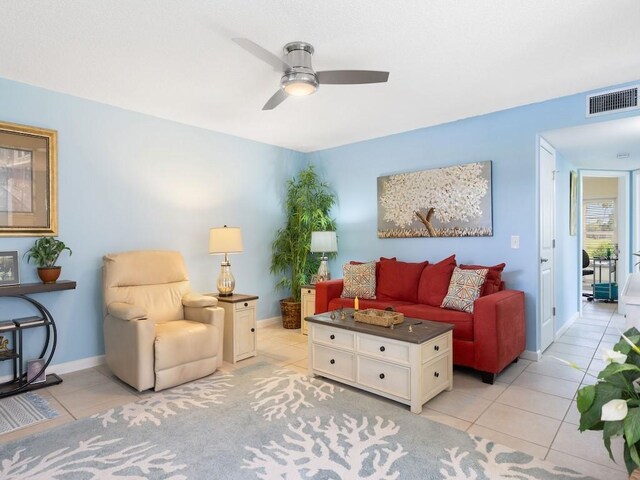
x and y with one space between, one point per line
547 243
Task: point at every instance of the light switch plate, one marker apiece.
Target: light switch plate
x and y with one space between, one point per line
515 241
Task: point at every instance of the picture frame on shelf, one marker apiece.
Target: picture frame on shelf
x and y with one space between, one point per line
28 181
9 268
33 367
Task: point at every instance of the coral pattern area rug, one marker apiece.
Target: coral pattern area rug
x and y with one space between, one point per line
264 422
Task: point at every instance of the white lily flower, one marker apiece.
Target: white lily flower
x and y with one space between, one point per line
614 410
612 356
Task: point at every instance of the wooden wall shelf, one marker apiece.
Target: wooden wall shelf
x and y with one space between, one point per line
28 288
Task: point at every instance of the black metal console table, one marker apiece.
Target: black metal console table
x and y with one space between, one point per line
19 383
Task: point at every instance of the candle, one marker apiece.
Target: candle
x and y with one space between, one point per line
356 304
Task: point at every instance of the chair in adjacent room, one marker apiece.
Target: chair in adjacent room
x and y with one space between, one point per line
586 261
157 333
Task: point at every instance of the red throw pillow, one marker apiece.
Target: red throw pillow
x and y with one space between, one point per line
355 262
434 281
493 280
399 280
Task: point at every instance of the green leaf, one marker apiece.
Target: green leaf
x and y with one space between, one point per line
632 426
585 397
604 392
633 453
629 463
614 368
611 429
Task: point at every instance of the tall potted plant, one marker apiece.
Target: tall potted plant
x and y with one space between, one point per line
45 253
308 203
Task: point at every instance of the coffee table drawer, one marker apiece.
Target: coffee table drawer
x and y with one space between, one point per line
334 362
384 377
435 374
383 348
335 337
435 347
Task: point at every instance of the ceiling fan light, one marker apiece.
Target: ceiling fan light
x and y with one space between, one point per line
299 84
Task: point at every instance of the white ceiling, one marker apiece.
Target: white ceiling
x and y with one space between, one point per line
597 146
448 59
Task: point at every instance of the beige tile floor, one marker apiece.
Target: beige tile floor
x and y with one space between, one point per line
531 407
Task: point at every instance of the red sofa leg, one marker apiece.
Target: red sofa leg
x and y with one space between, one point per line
488 377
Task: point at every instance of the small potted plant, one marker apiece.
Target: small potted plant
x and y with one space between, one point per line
45 253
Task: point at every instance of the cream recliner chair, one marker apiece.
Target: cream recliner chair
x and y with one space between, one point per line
157 334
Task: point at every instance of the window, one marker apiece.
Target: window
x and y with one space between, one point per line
600 227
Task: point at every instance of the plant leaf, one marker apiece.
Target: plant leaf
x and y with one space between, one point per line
586 395
632 426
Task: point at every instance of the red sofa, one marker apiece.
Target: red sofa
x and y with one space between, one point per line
488 340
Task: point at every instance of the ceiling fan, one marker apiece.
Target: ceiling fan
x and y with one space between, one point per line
298 77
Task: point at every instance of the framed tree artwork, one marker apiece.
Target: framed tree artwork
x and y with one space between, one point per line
28 181
442 202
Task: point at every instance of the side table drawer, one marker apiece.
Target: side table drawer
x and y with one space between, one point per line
385 377
435 374
436 347
335 337
383 348
335 362
243 305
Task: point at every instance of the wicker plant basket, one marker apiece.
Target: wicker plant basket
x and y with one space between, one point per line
635 475
291 311
383 318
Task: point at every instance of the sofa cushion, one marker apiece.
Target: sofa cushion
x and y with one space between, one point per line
434 281
359 280
399 280
464 289
462 321
493 282
355 262
336 303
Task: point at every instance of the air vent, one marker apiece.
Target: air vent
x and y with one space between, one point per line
612 101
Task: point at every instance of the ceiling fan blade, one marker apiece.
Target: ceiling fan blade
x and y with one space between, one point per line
349 77
262 54
277 98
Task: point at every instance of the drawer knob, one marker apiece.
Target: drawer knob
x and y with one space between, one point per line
436 374
332 337
382 348
253 330
246 304
308 291
382 376
436 347
332 361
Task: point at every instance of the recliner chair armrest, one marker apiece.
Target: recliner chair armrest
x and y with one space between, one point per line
198 300
211 316
126 311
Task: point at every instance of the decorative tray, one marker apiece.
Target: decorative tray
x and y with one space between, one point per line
383 318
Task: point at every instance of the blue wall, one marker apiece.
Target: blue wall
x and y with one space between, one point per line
130 181
508 138
567 280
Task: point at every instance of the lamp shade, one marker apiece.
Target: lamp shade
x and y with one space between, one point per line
225 240
324 242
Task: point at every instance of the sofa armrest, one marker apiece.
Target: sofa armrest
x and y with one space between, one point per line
191 299
211 316
126 311
499 330
325 292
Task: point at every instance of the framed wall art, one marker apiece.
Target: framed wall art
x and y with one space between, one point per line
441 202
9 274
28 181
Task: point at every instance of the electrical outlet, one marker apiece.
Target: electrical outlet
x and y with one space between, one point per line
515 241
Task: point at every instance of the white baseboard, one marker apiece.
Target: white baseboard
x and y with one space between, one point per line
67 367
265 322
567 325
533 356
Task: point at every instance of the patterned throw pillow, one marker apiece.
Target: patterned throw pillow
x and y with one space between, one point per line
464 289
359 280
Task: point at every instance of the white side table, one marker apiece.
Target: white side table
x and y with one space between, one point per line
308 299
239 326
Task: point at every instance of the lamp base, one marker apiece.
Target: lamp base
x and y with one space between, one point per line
323 270
226 283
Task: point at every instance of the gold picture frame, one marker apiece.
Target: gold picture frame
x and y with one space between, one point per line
28 181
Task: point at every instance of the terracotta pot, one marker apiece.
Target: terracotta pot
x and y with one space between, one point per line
49 274
291 311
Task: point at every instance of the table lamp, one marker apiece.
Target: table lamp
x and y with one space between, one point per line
225 240
324 242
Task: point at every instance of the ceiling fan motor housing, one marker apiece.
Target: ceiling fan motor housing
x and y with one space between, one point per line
300 79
